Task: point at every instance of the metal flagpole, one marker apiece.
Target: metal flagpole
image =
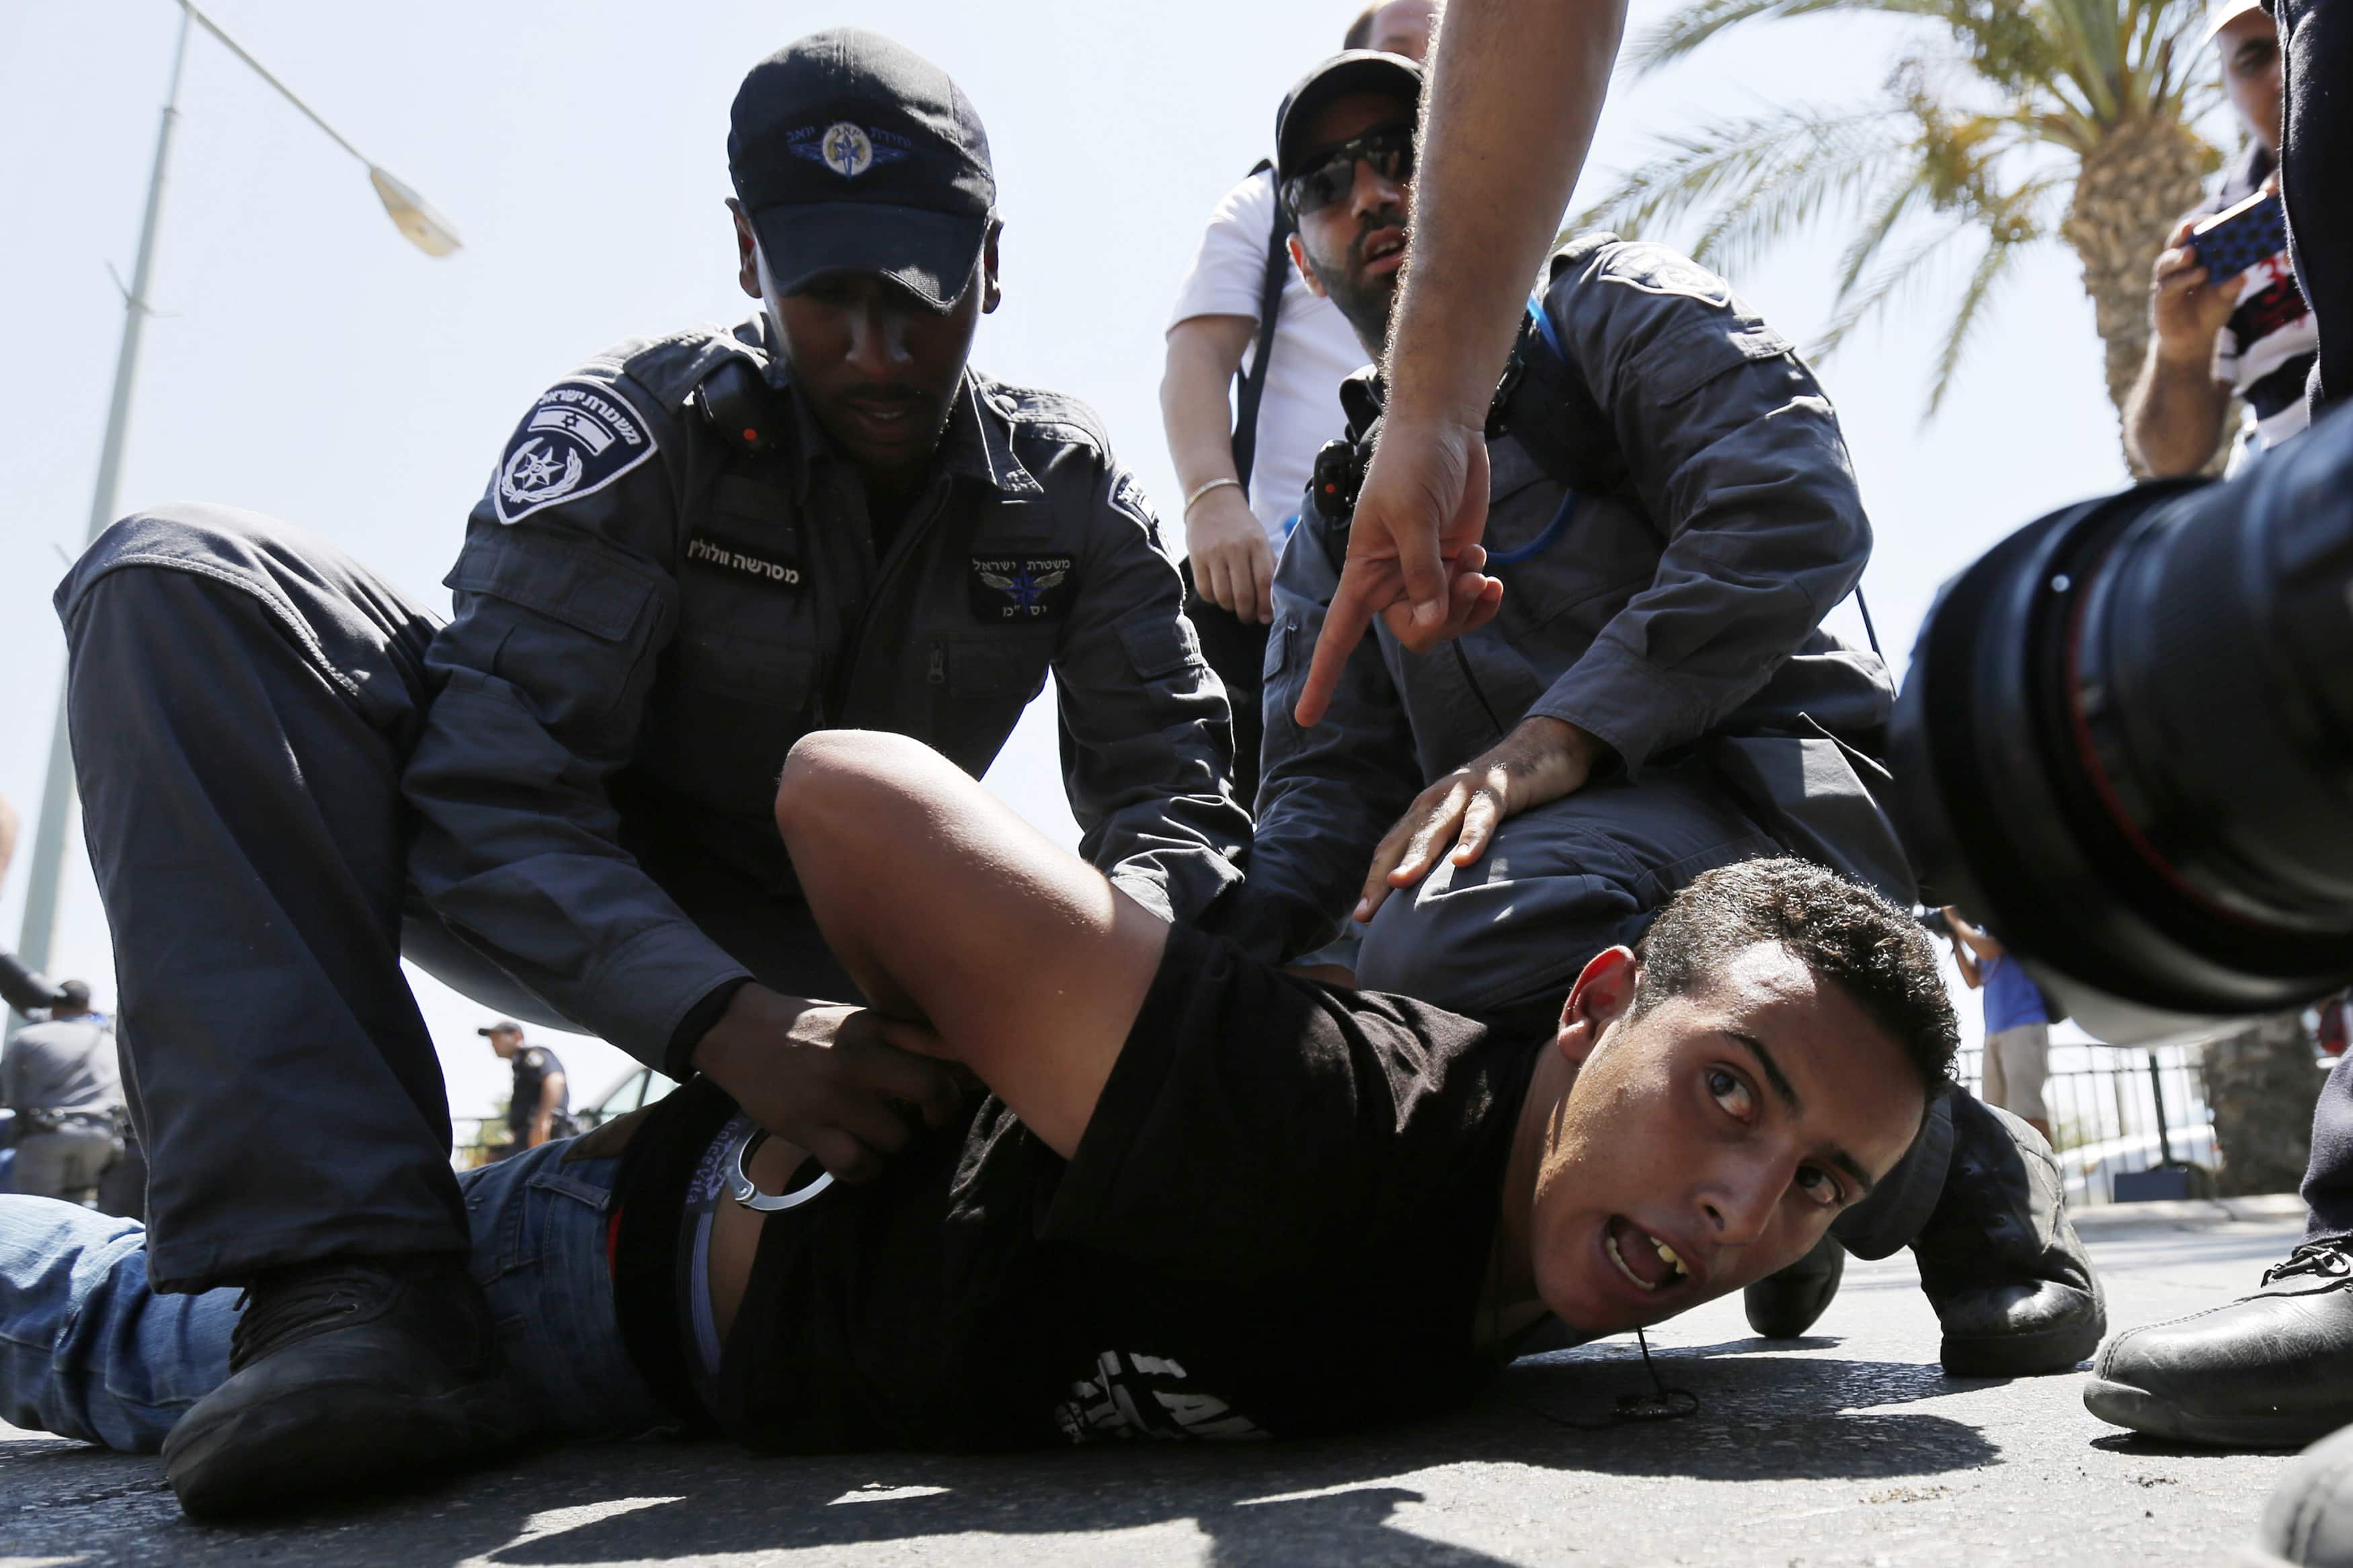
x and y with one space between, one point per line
418 222
57 789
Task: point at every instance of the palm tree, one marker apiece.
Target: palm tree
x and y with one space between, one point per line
2010 122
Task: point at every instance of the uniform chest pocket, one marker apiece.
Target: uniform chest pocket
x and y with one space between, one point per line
992 667
763 671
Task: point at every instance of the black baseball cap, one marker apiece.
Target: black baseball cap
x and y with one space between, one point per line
854 154
503 1026
1356 70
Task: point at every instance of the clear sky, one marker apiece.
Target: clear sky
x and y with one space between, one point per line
314 366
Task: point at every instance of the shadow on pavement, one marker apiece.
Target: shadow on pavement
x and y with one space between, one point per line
1761 1416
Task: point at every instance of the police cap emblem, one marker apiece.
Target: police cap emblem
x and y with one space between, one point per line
849 152
576 439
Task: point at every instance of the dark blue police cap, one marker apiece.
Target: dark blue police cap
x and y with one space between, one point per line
1354 70
854 154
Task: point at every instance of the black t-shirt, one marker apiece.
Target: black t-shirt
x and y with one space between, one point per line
531 1065
1278 1223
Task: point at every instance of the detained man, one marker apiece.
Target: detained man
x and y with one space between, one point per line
1190 1168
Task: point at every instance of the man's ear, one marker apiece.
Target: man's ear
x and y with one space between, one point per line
992 295
1604 992
747 250
1306 269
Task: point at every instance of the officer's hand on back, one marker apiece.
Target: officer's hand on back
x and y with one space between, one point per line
1233 565
823 1078
1541 760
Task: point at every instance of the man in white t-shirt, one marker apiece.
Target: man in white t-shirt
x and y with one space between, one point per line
1235 525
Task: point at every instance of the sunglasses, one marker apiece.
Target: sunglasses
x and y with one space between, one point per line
1388 150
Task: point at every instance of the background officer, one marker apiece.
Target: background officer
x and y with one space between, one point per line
539 1103
693 549
1674 512
59 1075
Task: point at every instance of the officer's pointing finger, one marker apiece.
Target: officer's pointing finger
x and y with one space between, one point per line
1344 624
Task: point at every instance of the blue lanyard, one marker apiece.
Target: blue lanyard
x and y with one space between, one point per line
1560 520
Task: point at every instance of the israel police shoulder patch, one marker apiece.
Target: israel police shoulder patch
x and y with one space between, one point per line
1655 269
577 438
1023 589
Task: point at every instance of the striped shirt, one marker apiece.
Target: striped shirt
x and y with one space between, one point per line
2265 351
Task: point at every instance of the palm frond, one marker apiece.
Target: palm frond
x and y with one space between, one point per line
1695 24
2000 254
1860 306
2085 34
2013 224
1897 201
1757 176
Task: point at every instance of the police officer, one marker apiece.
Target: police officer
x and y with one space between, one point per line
693 549
59 1075
1674 512
540 1098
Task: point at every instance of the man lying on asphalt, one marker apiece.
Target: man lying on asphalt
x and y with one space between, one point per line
695 549
1675 513
1205 1197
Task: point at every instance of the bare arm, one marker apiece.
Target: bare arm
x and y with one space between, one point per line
2173 416
955 916
1514 89
1233 565
1969 938
543 1121
7 836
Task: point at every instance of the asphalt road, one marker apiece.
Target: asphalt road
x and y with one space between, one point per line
1849 1446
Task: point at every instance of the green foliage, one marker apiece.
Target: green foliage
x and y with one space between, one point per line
1974 143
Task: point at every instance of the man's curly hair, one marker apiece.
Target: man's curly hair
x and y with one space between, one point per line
1843 931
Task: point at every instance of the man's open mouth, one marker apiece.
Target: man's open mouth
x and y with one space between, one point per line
1385 251
1647 1261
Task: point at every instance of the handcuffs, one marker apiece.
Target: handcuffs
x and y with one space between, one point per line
745 1192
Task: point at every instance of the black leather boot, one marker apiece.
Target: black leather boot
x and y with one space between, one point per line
2274 1369
1785 1305
2012 1287
347 1376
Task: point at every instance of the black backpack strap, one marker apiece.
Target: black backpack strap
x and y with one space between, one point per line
1270 306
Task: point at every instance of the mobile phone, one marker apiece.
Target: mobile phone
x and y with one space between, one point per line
2241 236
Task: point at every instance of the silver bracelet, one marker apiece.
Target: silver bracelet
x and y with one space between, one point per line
1205 490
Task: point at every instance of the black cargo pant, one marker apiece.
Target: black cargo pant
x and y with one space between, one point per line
243 697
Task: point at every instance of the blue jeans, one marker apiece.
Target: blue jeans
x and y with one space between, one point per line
87 1351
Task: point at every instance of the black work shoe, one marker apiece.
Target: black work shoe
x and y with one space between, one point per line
2308 1523
1785 1305
2274 1369
345 1376
2012 1287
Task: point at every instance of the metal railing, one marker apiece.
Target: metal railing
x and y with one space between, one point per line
2119 1111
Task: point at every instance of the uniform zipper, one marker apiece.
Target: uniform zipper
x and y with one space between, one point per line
911 534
